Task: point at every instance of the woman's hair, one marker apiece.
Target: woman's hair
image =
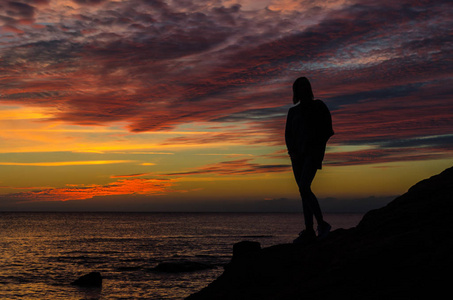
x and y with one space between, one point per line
302 90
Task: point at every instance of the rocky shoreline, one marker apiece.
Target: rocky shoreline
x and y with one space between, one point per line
401 251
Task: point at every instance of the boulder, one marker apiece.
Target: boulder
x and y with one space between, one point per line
245 249
93 279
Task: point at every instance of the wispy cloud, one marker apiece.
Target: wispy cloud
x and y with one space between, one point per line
376 156
234 167
65 163
130 175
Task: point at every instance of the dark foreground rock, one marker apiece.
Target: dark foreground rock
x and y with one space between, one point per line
93 279
401 251
181 266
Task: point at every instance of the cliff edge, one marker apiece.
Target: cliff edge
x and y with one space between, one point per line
401 251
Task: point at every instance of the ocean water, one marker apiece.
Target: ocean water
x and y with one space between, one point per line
42 253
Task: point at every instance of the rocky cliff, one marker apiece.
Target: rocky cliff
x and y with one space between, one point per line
401 251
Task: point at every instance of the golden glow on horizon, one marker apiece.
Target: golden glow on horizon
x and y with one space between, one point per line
382 179
135 149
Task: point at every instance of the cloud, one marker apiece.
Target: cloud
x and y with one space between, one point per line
386 155
65 163
130 175
384 69
16 9
83 192
89 2
422 112
9 28
440 141
234 167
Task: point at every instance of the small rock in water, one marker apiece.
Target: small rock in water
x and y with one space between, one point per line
93 279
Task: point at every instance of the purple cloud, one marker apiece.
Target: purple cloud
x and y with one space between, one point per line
383 69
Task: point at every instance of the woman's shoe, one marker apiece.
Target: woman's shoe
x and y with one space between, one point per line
305 237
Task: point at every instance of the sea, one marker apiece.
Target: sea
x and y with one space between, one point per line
41 253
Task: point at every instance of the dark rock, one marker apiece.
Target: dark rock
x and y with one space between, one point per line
181 266
245 250
93 279
401 251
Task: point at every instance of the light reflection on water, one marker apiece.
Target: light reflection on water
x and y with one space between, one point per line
41 253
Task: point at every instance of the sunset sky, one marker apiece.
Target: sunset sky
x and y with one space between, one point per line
165 105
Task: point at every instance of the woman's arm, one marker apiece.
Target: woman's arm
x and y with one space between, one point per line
288 133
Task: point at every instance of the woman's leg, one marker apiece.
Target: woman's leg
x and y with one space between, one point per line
297 165
309 200
308 215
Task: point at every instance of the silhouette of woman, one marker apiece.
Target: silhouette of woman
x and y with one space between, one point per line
308 128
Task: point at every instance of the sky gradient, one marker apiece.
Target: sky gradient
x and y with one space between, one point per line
181 105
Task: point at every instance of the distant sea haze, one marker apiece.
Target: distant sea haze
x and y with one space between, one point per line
330 205
42 253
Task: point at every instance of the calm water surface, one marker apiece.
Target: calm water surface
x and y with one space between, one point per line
42 253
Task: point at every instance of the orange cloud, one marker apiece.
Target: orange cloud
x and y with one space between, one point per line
129 175
82 192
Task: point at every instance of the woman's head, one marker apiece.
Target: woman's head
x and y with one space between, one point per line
302 90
